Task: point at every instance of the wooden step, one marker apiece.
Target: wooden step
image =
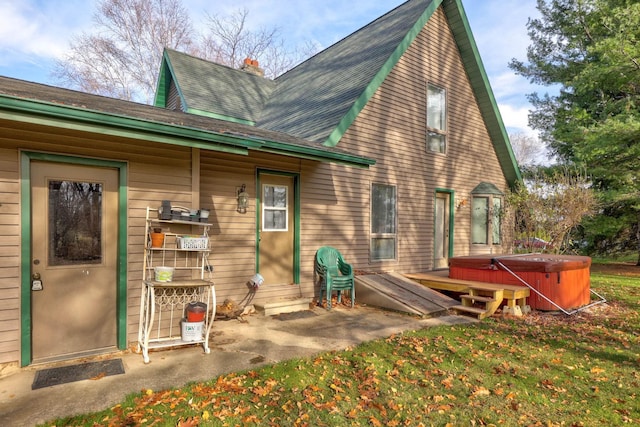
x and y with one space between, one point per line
479 312
477 298
283 306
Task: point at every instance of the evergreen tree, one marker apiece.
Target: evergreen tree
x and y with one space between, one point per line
589 49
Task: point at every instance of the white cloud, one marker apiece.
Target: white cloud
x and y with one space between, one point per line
515 118
32 29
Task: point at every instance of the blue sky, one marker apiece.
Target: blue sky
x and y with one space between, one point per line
33 33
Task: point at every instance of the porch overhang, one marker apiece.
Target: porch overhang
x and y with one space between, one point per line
83 119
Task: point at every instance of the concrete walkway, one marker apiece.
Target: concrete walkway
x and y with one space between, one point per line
235 346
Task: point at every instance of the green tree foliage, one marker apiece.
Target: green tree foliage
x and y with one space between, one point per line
589 49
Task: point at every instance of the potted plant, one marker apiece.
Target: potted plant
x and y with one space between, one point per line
157 238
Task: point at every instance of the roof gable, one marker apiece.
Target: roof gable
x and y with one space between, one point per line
210 89
314 98
319 99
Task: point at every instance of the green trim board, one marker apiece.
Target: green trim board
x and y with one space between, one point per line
26 157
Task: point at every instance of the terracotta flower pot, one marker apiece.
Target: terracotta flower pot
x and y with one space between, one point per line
157 240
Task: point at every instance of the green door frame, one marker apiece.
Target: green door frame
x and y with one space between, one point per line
451 194
296 218
26 157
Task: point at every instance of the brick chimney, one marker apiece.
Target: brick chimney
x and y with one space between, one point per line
251 66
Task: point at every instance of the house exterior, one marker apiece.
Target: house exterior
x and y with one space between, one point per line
388 146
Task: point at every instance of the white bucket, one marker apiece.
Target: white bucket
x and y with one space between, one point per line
163 274
191 331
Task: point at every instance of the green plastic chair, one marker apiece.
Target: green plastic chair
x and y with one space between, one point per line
334 274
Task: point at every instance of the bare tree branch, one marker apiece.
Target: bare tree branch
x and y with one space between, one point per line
121 58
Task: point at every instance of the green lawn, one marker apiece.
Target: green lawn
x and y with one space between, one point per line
536 370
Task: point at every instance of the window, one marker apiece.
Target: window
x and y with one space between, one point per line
436 119
485 220
383 222
274 212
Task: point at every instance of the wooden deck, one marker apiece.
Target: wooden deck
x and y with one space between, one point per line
491 295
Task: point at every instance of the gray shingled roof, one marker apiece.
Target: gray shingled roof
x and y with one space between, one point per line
319 99
311 99
79 110
218 89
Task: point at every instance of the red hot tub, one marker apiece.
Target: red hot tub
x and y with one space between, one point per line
564 279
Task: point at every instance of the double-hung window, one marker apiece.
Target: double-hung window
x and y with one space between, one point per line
383 222
436 119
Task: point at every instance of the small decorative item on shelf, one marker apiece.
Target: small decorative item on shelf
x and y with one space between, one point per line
164 211
193 242
157 238
163 274
204 215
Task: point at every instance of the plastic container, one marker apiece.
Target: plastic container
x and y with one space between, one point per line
196 311
191 331
163 274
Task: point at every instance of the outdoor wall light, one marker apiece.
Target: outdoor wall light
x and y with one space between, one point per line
461 203
243 199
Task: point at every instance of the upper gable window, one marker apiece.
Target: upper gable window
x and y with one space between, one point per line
436 119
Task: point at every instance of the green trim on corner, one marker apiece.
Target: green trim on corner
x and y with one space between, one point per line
26 157
25 257
380 76
452 195
162 89
296 218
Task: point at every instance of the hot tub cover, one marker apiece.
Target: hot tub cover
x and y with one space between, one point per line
545 263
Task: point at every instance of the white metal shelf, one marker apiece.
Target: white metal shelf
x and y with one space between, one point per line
162 304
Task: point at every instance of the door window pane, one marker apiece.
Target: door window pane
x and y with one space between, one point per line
274 210
75 223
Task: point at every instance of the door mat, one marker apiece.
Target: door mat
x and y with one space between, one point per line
303 314
83 371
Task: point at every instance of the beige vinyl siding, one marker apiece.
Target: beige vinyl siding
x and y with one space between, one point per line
233 235
392 129
156 172
9 255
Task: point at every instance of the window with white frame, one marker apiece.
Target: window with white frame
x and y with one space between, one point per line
383 222
436 119
274 208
